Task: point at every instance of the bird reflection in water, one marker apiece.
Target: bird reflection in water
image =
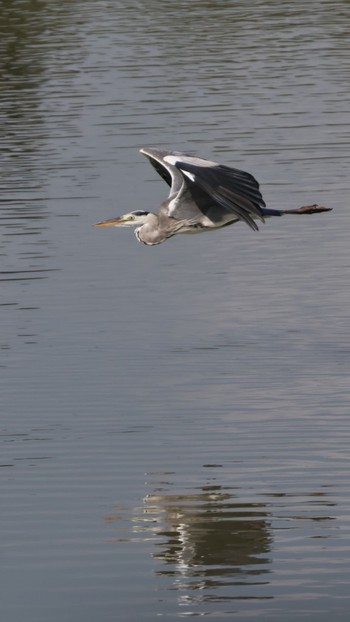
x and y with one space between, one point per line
208 539
214 543
210 536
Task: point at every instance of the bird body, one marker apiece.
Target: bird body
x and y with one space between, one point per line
204 196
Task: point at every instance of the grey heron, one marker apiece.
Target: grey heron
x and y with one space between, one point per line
204 196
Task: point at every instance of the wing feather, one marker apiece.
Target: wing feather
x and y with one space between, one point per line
202 189
234 190
171 175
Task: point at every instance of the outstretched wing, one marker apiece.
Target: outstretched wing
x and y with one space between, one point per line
172 175
202 188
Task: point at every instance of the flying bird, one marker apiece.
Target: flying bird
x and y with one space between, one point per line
204 196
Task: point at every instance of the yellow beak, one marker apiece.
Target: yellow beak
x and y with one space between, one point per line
113 222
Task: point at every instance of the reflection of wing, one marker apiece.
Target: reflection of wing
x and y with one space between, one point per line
207 193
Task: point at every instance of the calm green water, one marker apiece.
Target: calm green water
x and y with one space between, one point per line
174 420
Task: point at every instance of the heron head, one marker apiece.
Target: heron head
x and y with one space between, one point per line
139 217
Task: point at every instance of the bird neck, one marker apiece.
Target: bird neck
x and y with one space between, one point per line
150 232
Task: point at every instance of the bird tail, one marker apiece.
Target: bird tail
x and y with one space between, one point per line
271 212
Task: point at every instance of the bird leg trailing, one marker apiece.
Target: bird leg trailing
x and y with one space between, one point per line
308 209
305 209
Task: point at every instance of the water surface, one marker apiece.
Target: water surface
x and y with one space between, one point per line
174 420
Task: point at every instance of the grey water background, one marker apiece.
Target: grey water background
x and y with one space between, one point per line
174 420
